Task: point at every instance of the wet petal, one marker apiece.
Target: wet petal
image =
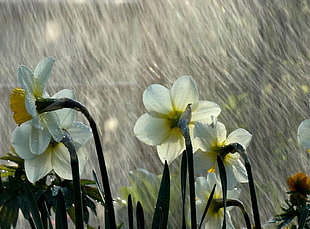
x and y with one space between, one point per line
240 172
172 147
204 111
184 92
25 78
204 135
203 161
42 73
156 98
39 166
80 134
66 115
30 103
51 121
61 161
150 130
303 133
240 136
39 140
20 141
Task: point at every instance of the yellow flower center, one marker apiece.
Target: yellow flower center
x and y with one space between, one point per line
17 103
216 150
173 118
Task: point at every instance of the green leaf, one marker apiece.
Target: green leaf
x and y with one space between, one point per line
303 217
61 215
207 206
33 206
160 218
130 213
140 216
9 214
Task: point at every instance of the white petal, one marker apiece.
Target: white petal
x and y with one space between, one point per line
20 141
39 140
80 134
61 161
66 115
203 161
156 98
42 73
205 111
30 102
25 78
51 121
172 147
231 178
39 166
240 136
204 135
240 172
184 92
150 130
220 132
202 189
303 133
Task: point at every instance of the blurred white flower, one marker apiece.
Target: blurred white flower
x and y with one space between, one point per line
159 127
215 214
23 104
303 134
56 156
211 139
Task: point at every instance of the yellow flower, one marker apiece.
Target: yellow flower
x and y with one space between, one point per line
17 103
159 127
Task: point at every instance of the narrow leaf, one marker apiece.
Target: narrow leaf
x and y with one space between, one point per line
303 218
160 218
33 207
207 206
61 215
140 216
130 212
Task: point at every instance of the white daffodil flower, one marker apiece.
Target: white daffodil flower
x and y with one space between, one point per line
56 156
303 134
211 139
23 104
215 214
159 127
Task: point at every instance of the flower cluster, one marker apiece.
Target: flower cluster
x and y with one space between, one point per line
159 127
37 138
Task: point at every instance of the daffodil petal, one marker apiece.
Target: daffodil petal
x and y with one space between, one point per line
25 78
172 147
203 162
240 136
66 115
221 132
61 161
240 172
51 121
80 134
156 98
20 141
205 111
42 72
231 177
204 135
151 130
202 189
184 92
30 103
303 133
39 166
39 140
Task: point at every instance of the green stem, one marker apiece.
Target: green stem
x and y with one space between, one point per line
78 206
